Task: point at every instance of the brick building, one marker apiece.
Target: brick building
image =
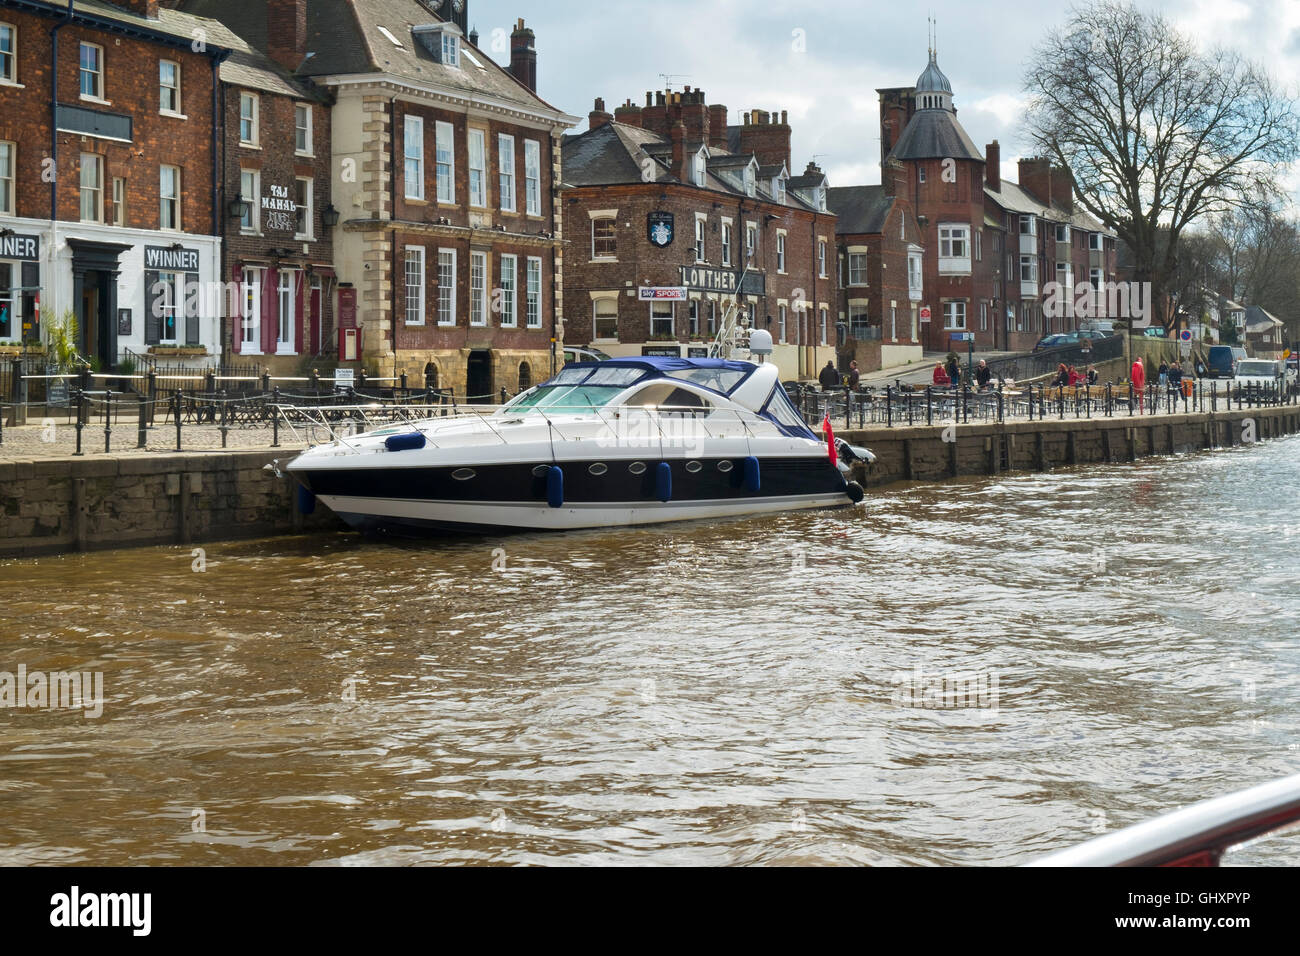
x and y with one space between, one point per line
880 259
108 174
670 197
275 201
990 246
447 251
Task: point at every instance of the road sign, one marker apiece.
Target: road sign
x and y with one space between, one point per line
963 336
1185 335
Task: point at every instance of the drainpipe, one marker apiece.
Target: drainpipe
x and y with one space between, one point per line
392 215
49 308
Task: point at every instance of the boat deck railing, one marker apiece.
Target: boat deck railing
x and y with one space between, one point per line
660 425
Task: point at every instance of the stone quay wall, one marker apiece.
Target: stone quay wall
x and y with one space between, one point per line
59 505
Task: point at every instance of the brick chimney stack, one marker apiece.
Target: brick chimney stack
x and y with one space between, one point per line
523 55
286 32
141 8
993 166
1063 187
628 113
680 169
598 117
718 126
1035 176
767 137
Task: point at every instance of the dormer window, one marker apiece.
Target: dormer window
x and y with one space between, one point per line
778 188
698 167
751 181
821 198
442 40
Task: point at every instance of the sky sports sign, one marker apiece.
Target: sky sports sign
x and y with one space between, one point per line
662 293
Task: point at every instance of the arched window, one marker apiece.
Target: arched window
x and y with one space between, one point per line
525 377
430 375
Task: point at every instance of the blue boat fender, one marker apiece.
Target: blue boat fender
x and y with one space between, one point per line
555 487
407 441
664 481
753 480
306 500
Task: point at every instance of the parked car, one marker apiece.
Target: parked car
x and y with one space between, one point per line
1061 339
588 354
1222 360
1260 375
1155 332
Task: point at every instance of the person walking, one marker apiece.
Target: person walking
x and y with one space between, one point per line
829 378
1137 380
954 371
854 375
1163 373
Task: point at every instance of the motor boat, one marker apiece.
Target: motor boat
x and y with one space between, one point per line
625 441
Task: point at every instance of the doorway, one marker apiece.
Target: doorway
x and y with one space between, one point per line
97 332
478 378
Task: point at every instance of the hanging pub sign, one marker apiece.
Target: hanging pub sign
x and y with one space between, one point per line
22 248
659 229
166 259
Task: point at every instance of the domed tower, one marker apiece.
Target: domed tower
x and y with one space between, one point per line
933 91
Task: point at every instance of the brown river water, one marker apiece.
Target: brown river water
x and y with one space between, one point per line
739 692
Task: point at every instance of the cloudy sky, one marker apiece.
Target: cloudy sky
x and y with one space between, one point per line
747 54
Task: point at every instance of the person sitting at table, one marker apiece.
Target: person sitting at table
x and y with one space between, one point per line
940 376
983 374
1062 376
1073 378
1092 375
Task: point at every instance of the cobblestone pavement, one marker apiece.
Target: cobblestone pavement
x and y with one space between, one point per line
60 440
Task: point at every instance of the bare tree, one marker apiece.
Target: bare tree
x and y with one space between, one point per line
1157 133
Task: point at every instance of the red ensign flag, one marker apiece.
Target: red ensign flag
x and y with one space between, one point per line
830 439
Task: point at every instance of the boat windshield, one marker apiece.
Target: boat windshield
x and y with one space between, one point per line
568 398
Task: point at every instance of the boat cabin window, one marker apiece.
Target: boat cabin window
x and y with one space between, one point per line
669 396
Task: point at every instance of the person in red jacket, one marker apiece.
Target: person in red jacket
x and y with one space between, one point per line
1074 377
1138 380
940 376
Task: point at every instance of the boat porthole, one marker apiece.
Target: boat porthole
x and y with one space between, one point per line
463 474
724 466
597 468
541 471
693 466
637 468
